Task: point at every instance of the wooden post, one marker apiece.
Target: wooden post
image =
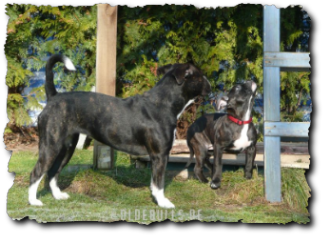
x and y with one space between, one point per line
106 49
272 144
105 71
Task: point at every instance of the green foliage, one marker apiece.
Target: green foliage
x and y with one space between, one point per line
226 43
159 35
291 28
259 125
146 76
296 117
294 89
202 109
34 33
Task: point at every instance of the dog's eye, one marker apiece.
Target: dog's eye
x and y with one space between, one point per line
239 102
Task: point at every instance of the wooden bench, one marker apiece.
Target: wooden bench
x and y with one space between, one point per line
294 155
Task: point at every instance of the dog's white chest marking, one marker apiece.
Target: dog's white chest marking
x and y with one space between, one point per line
243 141
178 116
188 103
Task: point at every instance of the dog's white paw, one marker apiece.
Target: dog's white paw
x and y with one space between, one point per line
214 185
165 203
35 202
61 196
158 194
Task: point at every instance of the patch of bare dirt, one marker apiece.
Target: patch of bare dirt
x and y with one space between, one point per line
22 139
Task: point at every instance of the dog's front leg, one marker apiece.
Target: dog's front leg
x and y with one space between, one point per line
217 166
250 156
159 163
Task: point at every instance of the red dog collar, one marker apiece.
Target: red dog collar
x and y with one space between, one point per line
239 122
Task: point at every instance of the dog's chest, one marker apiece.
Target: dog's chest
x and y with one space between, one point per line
243 141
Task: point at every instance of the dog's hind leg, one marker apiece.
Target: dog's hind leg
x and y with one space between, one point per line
61 160
207 163
192 154
201 156
159 163
44 163
33 191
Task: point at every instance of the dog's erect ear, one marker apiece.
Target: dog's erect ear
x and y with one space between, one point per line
181 72
164 69
253 85
221 102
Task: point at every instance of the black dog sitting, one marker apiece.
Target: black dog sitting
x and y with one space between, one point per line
232 132
139 125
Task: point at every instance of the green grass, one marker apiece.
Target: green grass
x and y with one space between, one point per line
123 194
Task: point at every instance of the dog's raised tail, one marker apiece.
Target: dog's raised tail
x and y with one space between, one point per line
49 84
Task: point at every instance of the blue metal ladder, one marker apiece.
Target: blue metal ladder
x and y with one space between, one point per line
274 129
